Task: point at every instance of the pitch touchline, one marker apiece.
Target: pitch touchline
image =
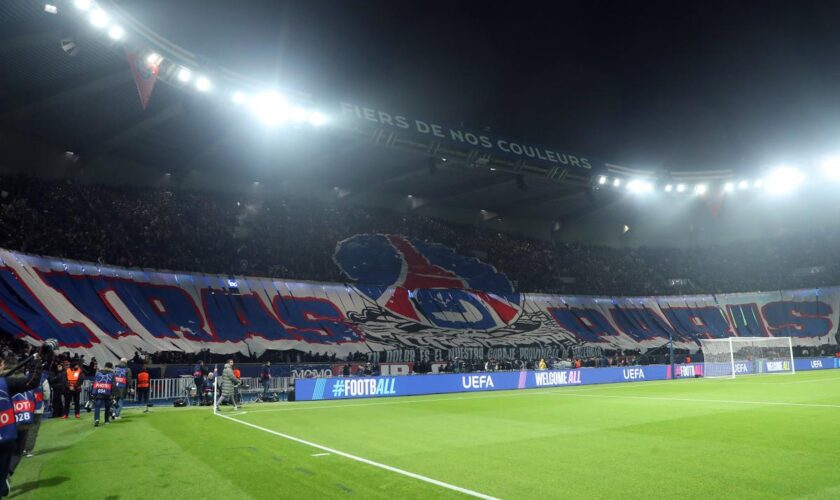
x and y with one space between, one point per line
366 461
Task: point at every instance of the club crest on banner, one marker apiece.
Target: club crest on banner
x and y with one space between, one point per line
428 283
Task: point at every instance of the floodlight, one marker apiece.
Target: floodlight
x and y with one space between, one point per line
617 182
758 183
50 9
316 119
831 168
700 189
668 188
602 180
784 180
271 108
298 114
203 84
116 32
239 97
154 59
83 4
743 185
729 187
680 188
184 74
99 18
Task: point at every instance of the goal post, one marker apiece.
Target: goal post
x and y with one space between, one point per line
737 356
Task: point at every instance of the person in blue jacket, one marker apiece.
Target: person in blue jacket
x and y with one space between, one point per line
103 385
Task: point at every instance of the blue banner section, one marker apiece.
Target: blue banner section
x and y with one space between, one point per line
374 387
416 385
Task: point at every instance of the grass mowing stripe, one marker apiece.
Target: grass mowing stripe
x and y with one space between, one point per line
702 400
365 460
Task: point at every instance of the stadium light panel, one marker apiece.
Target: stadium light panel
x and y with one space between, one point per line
617 182
700 189
83 4
602 180
239 97
758 183
99 18
202 84
680 188
184 75
784 180
729 187
743 185
298 114
50 9
154 59
116 32
317 119
271 108
669 188
831 168
639 186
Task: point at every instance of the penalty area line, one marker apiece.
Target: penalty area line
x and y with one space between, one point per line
389 468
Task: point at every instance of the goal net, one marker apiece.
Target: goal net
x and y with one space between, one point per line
736 356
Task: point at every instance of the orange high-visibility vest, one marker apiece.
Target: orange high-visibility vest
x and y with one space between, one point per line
142 380
73 377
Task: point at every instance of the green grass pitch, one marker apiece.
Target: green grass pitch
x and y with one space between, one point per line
753 437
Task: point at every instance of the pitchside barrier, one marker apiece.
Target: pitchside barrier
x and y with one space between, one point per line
376 387
168 389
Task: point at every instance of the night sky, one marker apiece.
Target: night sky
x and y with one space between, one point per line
676 85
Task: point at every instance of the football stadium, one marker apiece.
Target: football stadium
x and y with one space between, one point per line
285 249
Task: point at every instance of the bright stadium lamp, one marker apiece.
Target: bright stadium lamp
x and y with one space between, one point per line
317 119
116 32
184 75
729 187
83 4
239 97
680 188
831 168
202 84
669 188
298 114
602 180
154 59
271 108
99 18
617 182
700 189
783 180
744 185
50 9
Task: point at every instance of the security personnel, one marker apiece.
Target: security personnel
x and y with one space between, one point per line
9 386
74 389
102 386
143 388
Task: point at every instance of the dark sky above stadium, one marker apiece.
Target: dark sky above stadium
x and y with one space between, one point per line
678 85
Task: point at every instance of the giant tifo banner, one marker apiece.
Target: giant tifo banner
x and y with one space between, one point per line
407 296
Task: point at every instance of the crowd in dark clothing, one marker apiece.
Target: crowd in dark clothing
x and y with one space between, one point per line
295 238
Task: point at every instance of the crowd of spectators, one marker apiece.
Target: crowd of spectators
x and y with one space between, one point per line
295 238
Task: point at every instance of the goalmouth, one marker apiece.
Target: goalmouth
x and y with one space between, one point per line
737 356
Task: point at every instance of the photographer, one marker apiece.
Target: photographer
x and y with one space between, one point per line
122 374
101 392
10 386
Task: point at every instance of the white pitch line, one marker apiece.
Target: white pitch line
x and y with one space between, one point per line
366 461
319 454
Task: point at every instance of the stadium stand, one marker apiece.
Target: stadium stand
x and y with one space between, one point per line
295 238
